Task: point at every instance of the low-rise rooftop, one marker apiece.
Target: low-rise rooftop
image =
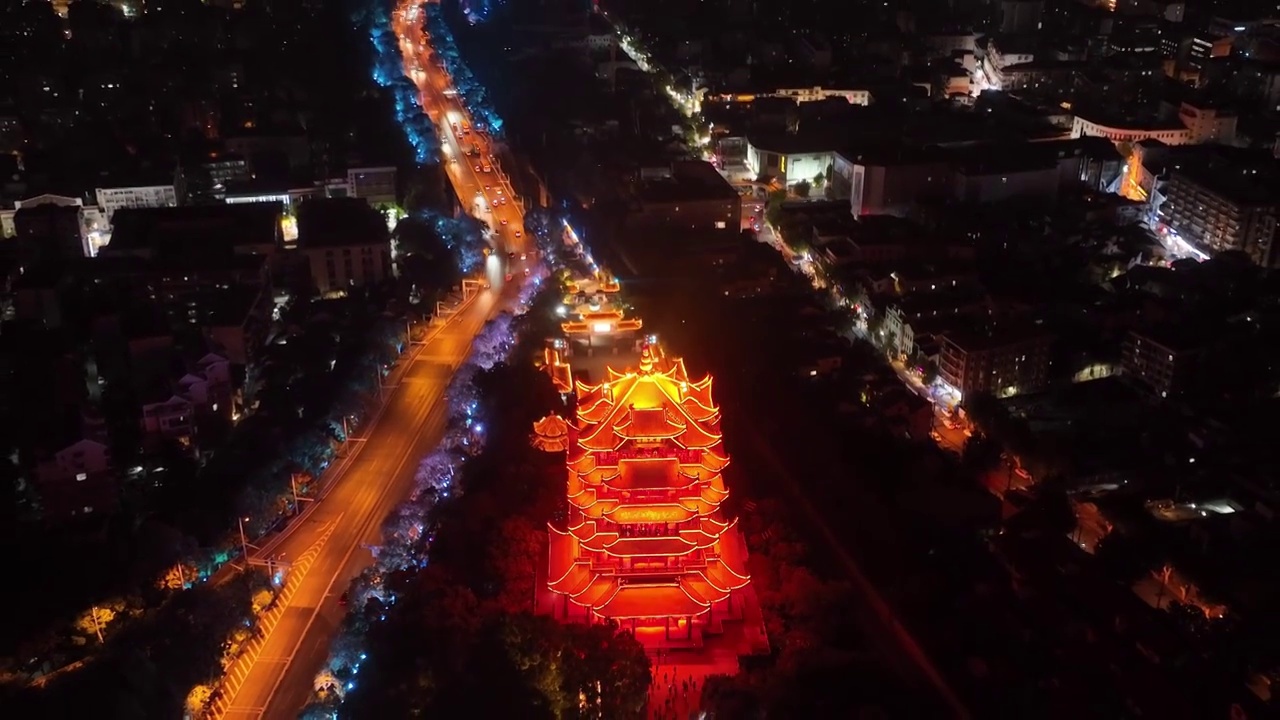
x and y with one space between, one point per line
338 222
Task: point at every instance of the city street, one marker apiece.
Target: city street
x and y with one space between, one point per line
486 195
378 477
380 473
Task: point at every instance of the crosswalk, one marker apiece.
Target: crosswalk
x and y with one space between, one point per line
250 655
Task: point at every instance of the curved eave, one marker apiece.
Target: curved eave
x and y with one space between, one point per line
599 542
678 371
581 464
602 442
682 513
712 461
604 594
699 440
732 579
596 510
698 539
599 475
698 506
617 552
594 411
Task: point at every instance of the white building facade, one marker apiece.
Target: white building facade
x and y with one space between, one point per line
152 196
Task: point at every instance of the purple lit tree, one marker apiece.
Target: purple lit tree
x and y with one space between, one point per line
436 471
461 394
493 343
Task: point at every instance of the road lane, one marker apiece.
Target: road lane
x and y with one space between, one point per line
377 478
380 473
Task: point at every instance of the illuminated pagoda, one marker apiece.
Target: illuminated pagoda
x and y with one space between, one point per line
594 316
555 367
600 282
643 541
551 434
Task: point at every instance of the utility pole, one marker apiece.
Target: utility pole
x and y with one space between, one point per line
97 629
297 500
244 543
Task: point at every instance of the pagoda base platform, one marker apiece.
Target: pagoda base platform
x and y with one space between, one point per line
676 667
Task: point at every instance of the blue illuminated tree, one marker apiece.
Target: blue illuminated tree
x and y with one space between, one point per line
388 72
473 94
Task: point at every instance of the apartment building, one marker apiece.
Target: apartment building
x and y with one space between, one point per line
1160 360
346 244
999 361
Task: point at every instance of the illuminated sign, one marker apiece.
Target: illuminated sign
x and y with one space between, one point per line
686 457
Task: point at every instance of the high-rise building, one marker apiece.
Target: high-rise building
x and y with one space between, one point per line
644 541
1217 205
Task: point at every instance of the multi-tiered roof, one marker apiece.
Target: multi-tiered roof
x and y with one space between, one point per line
645 537
592 307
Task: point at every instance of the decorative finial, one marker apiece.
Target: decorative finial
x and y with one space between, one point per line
646 358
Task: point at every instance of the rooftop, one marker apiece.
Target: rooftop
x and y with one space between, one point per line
994 157
1245 181
195 230
794 143
1178 338
994 336
337 222
689 180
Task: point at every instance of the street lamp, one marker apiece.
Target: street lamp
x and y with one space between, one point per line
244 542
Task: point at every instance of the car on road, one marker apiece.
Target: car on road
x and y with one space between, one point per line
518 234
504 221
937 437
342 599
